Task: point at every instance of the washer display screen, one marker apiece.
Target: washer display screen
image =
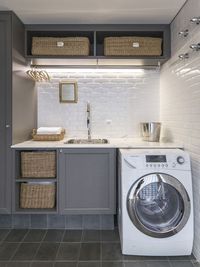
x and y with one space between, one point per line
156 158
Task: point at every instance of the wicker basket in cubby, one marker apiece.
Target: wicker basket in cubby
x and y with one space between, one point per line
37 196
60 46
38 164
132 46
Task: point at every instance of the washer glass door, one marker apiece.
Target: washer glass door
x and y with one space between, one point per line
158 205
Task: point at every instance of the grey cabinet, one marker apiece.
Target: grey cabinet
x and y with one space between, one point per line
87 181
17 101
5 113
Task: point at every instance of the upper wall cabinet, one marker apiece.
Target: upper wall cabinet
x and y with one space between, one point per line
98 44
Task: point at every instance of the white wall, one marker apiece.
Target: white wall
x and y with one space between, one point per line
124 98
180 103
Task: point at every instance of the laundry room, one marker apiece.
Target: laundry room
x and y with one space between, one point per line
99 123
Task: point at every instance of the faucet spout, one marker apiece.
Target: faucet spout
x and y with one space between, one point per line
89 122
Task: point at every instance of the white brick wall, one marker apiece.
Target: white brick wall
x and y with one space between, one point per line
124 98
180 107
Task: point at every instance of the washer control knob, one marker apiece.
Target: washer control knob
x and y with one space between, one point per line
180 160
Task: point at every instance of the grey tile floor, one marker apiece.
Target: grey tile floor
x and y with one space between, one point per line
74 248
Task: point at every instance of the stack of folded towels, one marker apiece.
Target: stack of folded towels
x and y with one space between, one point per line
49 130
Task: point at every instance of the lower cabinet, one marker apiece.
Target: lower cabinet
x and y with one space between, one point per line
87 181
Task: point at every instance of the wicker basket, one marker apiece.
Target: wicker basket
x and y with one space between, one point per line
37 196
38 164
62 46
132 46
48 137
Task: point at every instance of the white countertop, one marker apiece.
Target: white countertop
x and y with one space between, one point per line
113 143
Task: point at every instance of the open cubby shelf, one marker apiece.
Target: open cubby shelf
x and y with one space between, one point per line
18 180
96 35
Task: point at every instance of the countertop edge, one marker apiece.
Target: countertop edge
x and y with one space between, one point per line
114 143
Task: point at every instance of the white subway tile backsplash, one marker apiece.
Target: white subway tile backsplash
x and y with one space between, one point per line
119 102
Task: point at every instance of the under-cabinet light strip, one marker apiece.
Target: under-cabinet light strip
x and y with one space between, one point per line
89 68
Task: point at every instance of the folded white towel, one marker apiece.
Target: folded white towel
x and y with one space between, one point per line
49 130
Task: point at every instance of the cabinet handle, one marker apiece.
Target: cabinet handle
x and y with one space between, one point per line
195 20
184 56
7 126
60 150
184 33
195 47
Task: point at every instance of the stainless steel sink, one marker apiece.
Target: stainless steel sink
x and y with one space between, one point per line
87 141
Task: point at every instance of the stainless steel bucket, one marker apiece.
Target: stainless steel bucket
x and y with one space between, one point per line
150 131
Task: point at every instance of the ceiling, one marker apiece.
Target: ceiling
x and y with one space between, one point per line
93 11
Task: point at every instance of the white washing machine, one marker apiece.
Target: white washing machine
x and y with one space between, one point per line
155 214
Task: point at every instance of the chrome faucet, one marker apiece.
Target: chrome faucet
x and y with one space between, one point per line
88 121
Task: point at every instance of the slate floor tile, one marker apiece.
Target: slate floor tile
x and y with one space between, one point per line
90 252
89 264
35 235
135 264
91 236
112 264
110 235
54 236
19 264
144 258
16 235
3 234
47 251
181 258
158 264
68 251
111 251
7 250
66 264
26 251
42 264
72 236
181 264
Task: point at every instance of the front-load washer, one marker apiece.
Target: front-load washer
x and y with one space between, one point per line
155 214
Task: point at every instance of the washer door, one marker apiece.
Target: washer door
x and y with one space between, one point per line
158 205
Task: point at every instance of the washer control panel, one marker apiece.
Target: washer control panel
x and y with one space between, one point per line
164 162
156 159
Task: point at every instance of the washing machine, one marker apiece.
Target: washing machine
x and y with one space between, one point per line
155 214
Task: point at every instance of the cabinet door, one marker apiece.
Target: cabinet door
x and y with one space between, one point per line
87 181
5 112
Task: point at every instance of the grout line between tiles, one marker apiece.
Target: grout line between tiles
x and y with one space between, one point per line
80 249
59 246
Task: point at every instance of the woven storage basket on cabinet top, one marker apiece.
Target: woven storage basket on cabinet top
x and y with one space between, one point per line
37 196
48 137
132 46
38 164
63 46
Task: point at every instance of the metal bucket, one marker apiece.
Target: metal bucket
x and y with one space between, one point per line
150 131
